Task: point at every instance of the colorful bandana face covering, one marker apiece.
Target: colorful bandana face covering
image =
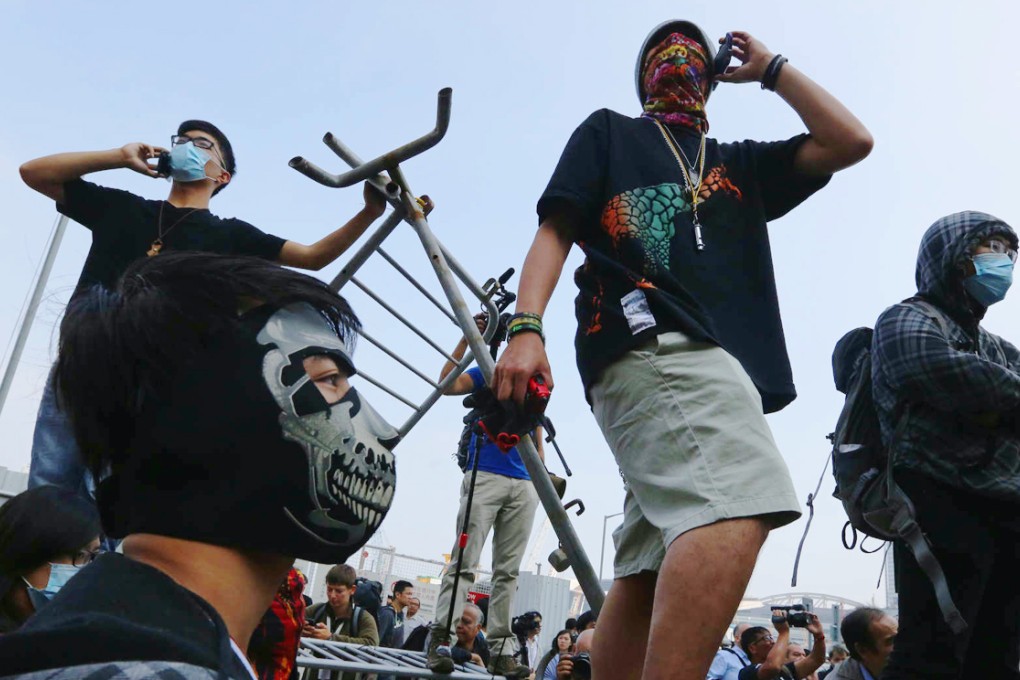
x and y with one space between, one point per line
245 452
676 82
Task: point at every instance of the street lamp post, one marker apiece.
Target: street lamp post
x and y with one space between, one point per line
602 553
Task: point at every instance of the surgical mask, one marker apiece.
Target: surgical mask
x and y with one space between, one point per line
60 574
993 275
187 163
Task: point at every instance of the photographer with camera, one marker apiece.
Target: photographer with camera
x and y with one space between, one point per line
577 666
126 227
768 655
527 627
504 503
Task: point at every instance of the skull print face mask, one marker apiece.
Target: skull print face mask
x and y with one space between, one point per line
351 469
246 451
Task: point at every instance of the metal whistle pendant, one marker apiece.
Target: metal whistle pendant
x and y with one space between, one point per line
699 243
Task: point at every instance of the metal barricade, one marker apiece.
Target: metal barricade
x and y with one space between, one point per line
345 657
448 271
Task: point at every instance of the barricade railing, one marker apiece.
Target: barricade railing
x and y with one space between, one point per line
408 209
350 658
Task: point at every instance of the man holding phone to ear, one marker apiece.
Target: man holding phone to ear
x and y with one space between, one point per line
126 227
679 341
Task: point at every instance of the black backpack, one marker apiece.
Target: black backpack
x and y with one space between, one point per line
863 467
368 595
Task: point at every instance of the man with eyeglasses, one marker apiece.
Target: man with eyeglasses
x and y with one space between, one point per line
951 389
126 227
768 654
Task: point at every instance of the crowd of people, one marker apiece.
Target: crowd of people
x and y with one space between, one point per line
756 653
200 418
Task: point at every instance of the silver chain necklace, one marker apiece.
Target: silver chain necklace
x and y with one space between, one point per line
693 188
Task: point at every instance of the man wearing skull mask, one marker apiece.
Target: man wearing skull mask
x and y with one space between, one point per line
212 392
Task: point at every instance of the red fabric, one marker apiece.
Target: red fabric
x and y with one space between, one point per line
274 644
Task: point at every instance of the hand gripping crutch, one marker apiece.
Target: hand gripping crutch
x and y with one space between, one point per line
445 266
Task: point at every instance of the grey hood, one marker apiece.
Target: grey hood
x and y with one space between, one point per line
945 249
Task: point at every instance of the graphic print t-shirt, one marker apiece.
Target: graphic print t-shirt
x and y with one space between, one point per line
642 274
124 226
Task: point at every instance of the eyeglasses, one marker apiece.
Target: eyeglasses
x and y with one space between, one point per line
200 142
86 556
997 246
764 638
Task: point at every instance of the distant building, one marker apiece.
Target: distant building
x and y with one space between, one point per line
11 483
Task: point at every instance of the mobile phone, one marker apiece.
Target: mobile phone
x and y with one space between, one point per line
723 57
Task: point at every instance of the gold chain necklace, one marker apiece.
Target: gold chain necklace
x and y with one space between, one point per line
692 188
157 245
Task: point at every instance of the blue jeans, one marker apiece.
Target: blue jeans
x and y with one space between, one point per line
56 459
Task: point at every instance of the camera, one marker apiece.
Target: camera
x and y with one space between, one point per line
525 623
581 669
796 616
163 164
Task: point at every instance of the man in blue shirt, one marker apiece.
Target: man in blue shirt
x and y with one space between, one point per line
504 503
729 660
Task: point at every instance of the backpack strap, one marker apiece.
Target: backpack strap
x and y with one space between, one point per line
933 313
356 620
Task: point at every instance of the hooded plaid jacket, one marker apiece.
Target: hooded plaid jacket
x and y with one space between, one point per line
962 390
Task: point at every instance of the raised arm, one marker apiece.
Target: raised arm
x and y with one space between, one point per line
326 250
838 139
813 661
463 384
774 662
525 354
48 174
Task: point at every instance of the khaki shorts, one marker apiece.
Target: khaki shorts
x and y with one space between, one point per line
685 424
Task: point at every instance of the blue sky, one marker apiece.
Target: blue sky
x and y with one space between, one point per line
931 80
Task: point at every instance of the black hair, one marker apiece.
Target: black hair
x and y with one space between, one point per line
586 619
748 636
571 623
40 524
856 629
121 348
341 575
401 586
556 637
483 604
221 141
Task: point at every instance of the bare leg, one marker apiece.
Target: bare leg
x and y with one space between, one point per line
621 636
700 585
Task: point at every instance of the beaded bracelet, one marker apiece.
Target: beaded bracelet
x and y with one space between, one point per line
771 75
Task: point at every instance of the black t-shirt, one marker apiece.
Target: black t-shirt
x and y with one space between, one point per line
124 226
642 275
120 610
788 672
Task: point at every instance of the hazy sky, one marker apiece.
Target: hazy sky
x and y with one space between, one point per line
931 80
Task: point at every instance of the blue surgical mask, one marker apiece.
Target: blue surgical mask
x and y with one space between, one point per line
993 275
187 163
60 574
